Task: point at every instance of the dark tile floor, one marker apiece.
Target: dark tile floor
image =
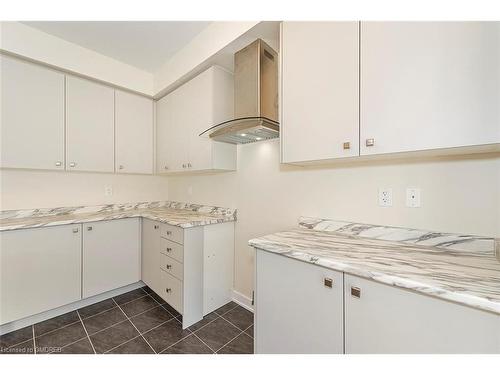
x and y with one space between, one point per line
137 322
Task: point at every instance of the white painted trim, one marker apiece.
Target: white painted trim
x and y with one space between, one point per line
242 300
21 323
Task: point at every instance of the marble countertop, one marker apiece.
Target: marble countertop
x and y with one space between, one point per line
460 275
183 215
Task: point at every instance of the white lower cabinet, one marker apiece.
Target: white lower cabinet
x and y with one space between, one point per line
191 269
40 269
111 255
296 313
298 307
386 319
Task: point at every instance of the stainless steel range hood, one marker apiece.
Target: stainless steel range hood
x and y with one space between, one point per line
255 97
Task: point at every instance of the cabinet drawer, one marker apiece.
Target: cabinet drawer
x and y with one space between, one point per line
172 249
172 233
172 266
171 291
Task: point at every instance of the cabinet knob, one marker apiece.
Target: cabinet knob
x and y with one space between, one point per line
183 165
120 167
189 165
165 167
89 228
328 282
156 226
169 266
58 163
75 230
72 164
347 145
169 249
355 292
168 290
370 142
169 233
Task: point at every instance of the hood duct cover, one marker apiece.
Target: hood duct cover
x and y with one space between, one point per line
255 97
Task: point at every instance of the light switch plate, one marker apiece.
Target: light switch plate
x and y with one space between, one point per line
413 197
385 197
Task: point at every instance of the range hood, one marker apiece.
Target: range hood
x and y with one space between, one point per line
255 97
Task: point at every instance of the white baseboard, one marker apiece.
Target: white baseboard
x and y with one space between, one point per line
33 319
242 300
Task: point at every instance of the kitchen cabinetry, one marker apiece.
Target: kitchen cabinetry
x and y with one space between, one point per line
89 126
296 313
40 269
191 268
385 319
429 85
319 93
182 115
151 242
111 255
299 307
133 133
32 116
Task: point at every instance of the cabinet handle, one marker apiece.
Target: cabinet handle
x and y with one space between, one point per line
89 228
355 292
189 165
370 142
328 282
165 167
156 226
169 233
120 167
169 266
58 163
169 249
183 165
168 290
75 230
347 145
72 164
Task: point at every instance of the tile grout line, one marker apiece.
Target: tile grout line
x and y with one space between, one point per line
85 328
195 335
175 343
230 341
123 343
34 342
154 351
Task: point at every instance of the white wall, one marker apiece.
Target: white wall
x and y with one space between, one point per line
37 189
19 39
459 194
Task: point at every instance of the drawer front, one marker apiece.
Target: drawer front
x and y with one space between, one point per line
172 233
171 291
172 266
172 249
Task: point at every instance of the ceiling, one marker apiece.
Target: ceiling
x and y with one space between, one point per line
145 45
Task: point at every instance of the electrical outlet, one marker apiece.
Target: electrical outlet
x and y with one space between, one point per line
413 197
385 197
108 190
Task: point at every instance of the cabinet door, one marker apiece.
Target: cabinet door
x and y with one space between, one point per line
429 85
32 119
40 269
171 141
151 248
89 126
111 255
385 319
133 133
295 310
320 90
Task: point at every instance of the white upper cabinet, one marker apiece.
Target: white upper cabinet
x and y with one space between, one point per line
133 133
182 115
429 85
32 116
319 95
89 126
